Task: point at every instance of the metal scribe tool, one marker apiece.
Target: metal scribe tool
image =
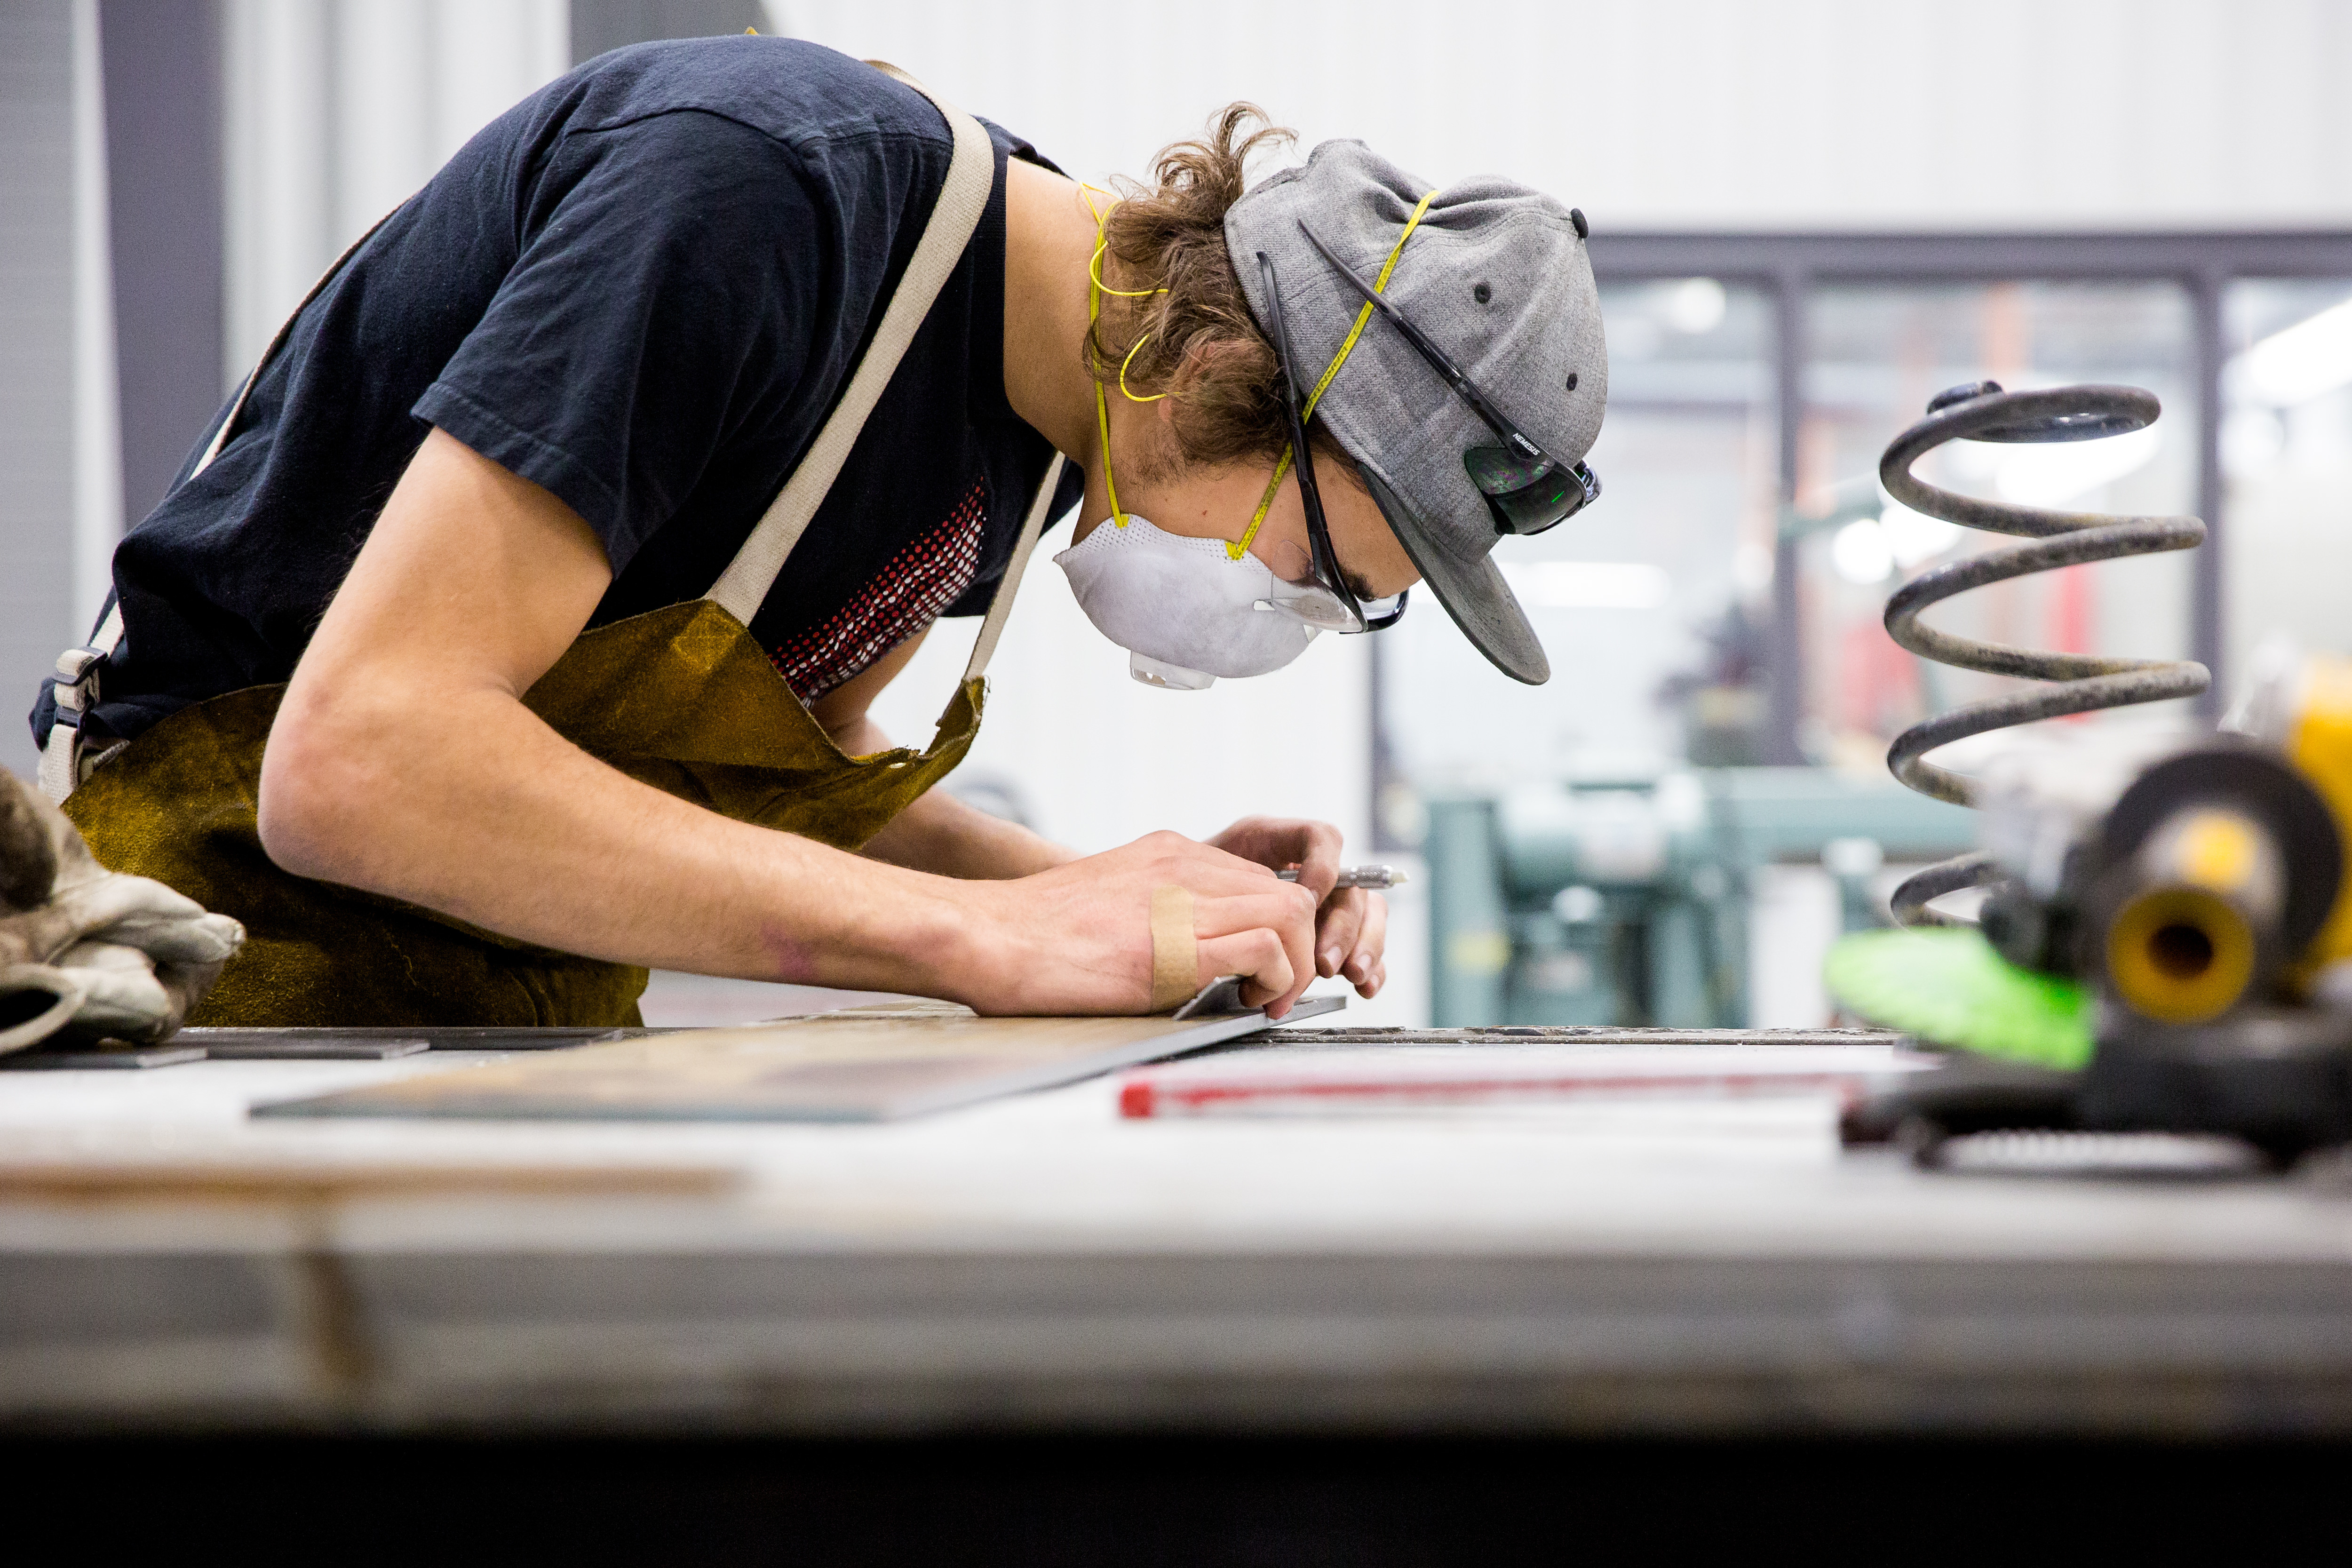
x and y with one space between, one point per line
1357 876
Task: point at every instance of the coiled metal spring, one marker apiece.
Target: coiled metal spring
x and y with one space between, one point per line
2080 683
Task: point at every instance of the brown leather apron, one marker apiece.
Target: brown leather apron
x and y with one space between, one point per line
682 699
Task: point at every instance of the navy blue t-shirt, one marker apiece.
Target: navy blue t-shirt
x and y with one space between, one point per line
643 288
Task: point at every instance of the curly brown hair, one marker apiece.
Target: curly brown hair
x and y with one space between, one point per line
1198 341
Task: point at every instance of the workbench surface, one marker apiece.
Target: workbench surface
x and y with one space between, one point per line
166 1263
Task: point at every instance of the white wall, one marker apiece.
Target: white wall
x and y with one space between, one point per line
1699 114
337 110
38 432
1100 759
97 406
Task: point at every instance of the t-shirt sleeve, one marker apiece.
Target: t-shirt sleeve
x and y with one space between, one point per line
662 297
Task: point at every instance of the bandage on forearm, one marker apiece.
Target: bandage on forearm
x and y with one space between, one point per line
1175 952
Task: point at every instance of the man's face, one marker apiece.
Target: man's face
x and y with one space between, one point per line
1217 503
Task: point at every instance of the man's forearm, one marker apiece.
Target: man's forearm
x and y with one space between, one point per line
371 787
942 835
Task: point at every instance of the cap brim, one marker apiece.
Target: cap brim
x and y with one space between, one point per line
1474 593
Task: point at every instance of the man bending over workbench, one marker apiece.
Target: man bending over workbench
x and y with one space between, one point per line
515 627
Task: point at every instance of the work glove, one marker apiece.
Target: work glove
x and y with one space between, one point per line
87 953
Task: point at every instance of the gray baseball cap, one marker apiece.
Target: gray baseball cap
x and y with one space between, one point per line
1496 275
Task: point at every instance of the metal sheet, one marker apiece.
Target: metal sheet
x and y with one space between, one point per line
100 1061
315 1050
859 1065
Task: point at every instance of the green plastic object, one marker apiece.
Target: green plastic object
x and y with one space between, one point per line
1947 986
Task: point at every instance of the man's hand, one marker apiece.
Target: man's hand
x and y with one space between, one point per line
1078 938
1351 925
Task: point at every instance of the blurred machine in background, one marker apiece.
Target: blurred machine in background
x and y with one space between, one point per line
1723 618
1628 900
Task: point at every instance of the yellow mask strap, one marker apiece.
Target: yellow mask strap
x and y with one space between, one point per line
1282 467
1087 194
1096 290
1102 424
1129 360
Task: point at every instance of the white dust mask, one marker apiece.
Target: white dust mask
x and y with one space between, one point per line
1186 610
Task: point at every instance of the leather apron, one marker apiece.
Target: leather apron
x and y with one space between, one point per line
683 698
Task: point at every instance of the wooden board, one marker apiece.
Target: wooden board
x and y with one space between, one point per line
861 1065
234 1177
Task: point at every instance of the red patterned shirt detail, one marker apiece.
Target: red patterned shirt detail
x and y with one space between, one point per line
905 596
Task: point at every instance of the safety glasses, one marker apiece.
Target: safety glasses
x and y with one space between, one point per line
1527 489
1322 599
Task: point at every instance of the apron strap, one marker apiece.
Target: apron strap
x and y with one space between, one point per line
983 648
971 175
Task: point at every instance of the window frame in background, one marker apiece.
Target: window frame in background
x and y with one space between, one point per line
1791 267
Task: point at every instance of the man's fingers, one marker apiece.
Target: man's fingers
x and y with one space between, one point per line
1337 929
1371 953
1277 935
1319 857
1279 842
1257 955
1285 910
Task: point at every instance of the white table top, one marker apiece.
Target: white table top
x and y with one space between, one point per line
1041 1261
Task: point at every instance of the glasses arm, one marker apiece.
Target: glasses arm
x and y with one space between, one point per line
1463 387
1319 536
